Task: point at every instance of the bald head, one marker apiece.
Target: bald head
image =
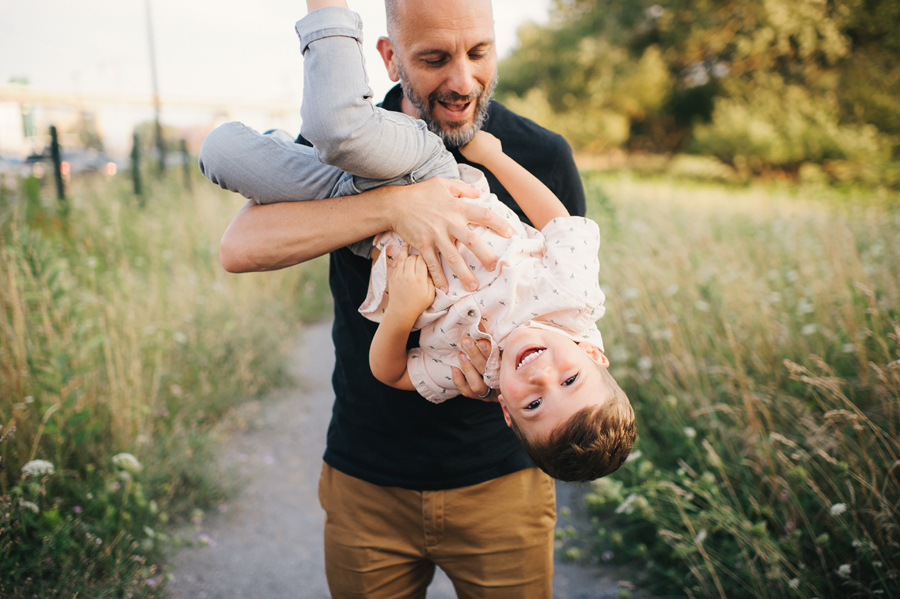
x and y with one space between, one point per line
399 13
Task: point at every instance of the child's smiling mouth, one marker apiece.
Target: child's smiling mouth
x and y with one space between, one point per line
528 355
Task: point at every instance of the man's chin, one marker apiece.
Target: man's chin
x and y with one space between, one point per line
456 133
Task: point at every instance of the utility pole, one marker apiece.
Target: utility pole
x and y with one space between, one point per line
160 145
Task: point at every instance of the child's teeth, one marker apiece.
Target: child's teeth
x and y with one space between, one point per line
530 358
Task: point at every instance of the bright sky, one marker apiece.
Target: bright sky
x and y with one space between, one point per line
206 49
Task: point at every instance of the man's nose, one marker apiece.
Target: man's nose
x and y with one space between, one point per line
461 78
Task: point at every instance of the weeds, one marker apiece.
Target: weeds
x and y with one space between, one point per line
122 343
758 336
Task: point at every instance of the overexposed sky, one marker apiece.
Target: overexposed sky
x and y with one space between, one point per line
206 49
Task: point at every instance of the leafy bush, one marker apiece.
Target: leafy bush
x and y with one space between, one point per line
783 126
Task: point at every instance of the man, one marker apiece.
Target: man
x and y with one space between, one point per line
408 484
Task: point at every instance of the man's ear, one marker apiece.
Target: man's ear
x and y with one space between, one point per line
503 407
594 352
389 56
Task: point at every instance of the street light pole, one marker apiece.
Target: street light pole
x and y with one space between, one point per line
160 146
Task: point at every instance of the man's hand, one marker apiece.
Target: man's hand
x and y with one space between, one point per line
411 289
431 218
468 378
483 148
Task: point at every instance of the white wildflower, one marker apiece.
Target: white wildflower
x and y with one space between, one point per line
690 432
809 329
794 583
774 297
127 462
848 348
701 305
633 455
180 337
701 536
38 468
804 306
29 399
671 290
664 334
655 11
645 363
634 329
838 508
28 505
844 570
627 506
631 293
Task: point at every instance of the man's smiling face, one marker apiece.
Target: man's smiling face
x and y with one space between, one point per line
444 56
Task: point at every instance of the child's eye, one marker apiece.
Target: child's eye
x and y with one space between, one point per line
533 404
570 380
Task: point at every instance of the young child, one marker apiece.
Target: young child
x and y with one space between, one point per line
537 308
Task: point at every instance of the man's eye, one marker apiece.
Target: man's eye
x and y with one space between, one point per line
533 404
477 55
570 380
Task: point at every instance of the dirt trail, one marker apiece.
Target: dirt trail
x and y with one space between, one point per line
267 542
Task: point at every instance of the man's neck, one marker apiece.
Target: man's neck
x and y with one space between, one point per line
407 107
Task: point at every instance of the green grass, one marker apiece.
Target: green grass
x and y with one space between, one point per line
120 332
757 333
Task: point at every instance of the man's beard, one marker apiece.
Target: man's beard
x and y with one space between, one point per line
457 133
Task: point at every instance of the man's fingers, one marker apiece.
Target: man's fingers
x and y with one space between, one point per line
433 263
459 267
461 384
459 189
481 215
478 353
482 251
469 381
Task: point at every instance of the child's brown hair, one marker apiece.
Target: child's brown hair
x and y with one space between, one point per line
594 442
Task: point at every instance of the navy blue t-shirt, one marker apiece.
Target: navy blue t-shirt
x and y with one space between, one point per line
397 438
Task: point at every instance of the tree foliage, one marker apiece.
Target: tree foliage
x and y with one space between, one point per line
757 82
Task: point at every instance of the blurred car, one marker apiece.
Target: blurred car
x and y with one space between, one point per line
10 165
74 162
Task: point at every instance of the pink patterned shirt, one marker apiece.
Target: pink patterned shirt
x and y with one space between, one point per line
546 279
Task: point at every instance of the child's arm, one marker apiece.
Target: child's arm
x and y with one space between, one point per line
411 292
539 203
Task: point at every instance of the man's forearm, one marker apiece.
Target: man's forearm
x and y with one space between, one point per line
273 236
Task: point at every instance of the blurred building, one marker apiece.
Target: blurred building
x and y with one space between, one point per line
107 120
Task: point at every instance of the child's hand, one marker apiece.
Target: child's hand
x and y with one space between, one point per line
482 148
411 288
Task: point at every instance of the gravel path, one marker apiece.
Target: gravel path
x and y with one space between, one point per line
267 542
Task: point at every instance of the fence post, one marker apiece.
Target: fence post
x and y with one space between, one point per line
56 156
136 164
187 164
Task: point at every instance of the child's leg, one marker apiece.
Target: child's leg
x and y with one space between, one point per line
339 117
266 168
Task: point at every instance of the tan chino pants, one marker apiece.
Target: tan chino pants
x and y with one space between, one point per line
494 539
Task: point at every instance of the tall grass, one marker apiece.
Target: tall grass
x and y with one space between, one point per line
757 333
120 332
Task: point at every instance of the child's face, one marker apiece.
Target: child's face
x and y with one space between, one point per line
545 378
